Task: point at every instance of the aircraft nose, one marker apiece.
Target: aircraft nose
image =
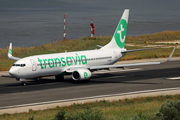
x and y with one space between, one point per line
13 72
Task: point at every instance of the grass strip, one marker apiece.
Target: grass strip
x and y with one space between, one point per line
116 110
87 43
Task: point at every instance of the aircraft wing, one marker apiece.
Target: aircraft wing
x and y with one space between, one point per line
131 64
10 53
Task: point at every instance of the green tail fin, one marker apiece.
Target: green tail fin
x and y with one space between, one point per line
119 37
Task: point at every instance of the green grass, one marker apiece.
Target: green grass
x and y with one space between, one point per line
122 109
161 36
86 43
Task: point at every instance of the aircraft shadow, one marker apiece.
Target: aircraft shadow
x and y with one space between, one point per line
133 77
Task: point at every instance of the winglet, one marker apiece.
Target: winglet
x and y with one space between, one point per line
10 53
170 56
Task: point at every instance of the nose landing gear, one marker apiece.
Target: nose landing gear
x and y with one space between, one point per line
23 83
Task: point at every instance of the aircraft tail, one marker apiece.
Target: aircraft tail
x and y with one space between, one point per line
119 37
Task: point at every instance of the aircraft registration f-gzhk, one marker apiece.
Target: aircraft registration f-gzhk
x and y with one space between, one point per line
80 63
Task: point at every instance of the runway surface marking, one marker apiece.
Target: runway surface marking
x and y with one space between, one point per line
92 97
174 78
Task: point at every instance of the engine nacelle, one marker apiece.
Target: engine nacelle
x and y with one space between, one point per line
81 74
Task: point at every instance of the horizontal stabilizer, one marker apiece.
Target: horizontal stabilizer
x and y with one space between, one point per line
100 46
139 50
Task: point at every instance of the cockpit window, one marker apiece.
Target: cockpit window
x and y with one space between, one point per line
17 64
21 65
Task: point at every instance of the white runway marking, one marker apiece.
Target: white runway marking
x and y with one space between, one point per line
174 78
92 97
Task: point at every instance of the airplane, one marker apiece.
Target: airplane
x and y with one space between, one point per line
79 64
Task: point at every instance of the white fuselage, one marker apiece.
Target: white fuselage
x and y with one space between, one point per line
80 63
55 64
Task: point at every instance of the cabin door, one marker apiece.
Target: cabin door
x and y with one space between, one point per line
34 67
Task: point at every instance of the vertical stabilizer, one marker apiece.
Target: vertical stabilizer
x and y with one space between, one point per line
119 37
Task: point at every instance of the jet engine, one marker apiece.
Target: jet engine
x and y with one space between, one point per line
81 74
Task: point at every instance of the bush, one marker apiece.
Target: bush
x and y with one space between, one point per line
31 118
60 115
169 111
141 116
88 114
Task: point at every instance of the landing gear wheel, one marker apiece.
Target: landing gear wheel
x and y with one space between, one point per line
59 78
23 83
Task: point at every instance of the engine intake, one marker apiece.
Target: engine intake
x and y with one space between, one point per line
81 74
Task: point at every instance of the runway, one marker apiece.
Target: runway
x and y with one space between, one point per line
131 79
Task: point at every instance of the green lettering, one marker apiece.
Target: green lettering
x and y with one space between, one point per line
51 64
10 51
84 61
45 63
75 61
40 61
78 59
63 61
57 61
69 61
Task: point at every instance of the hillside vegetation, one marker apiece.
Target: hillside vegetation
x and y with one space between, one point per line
87 43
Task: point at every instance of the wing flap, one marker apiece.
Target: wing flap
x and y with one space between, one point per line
132 64
122 65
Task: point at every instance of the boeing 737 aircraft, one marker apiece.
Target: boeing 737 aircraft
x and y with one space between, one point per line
80 64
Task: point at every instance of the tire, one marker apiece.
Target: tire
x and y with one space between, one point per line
23 83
